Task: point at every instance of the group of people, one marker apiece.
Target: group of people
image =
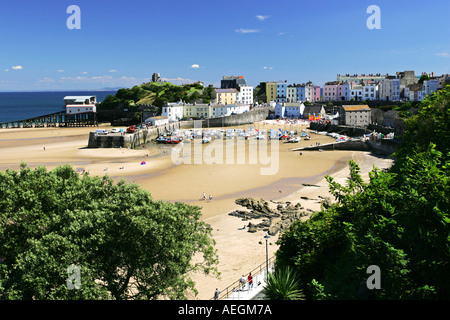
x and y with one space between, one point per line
242 282
204 197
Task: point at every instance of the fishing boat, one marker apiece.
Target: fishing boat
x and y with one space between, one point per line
294 139
161 139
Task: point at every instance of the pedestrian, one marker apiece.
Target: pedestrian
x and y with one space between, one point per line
210 197
250 281
204 196
216 294
242 282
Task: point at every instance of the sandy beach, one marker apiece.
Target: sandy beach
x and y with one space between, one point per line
239 251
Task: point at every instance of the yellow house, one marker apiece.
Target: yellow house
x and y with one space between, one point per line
271 91
224 96
197 111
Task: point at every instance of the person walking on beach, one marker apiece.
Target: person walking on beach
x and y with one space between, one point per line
250 281
204 196
210 197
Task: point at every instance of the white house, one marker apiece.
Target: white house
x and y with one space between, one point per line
245 95
173 111
370 91
289 110
223 110
80 104
157 121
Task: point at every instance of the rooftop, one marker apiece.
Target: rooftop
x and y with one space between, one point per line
78 98
225 90
356 107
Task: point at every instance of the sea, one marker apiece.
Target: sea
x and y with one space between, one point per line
17 106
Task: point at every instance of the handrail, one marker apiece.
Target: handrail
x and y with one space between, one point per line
235 286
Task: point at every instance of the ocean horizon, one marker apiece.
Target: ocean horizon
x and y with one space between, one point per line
22 105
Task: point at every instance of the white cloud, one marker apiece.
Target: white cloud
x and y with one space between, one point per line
195 66
178 81
268 68
242 30
262 18
46 80
6 70
60 70
84 72
17 67
443 54
112 70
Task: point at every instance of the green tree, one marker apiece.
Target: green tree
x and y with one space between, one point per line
125 244
399 220
423 78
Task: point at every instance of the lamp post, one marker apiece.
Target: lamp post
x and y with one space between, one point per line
267 255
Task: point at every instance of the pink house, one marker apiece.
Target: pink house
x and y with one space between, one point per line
316 93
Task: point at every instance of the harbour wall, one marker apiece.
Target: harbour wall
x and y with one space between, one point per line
383 147
349 130
128 140
140 137
254 115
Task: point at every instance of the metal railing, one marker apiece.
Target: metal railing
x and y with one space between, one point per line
237 285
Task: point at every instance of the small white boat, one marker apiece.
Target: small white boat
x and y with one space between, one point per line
294 139
206 140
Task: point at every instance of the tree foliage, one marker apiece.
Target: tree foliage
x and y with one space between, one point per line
399 220
125 244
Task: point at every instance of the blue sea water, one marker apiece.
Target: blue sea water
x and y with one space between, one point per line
16 106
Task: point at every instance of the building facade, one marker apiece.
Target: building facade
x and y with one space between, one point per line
389 89
244 95
289 110
198 111
370 91
330 91
271 91
174 111
281 92
80 104
355 115
221 110
224 96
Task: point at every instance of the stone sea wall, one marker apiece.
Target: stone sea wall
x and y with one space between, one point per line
131 140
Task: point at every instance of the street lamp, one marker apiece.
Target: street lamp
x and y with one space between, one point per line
267 255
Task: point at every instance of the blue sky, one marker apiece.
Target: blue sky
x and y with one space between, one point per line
121 43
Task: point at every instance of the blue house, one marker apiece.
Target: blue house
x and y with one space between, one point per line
301 93
281 91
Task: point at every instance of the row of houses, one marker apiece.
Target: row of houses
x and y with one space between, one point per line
351 115
403 86
176 111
